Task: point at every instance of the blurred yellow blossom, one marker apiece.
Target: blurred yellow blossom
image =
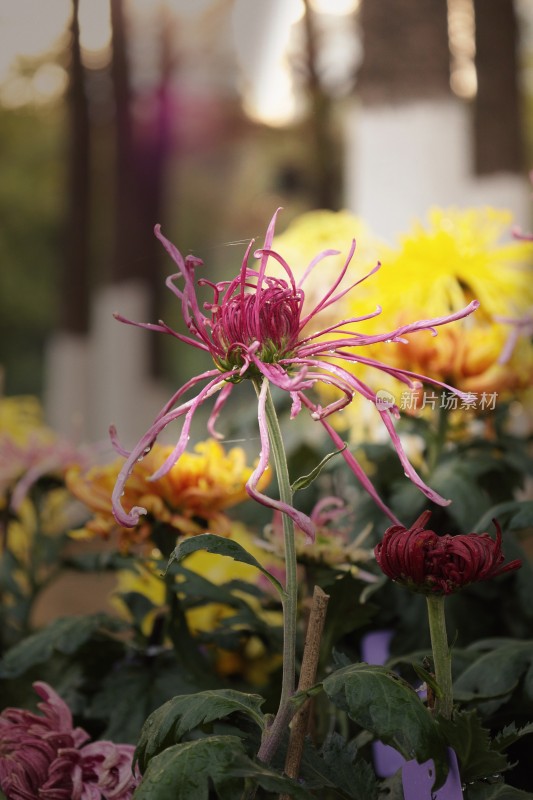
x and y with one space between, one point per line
23 435
21 416
319 230
438 268
251 660
190 498
32 526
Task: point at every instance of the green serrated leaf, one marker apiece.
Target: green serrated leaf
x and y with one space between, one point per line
495 791
268 779
336 765
196 590
392 788
511 734
472 743
65 635
126 696
223 547
184 713
185 771
306 480
381 702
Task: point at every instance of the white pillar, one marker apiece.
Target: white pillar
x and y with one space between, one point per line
123 393
403 159
67 389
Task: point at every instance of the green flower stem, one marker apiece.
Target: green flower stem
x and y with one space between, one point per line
273 735
439 439
442 658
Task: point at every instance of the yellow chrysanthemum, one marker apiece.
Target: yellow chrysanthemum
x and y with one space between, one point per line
191 497
459 255
251 660
320 230
439 269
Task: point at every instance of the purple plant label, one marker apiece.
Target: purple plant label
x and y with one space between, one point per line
375 647
417 780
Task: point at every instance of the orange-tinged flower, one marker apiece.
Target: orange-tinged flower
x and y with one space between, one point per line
190 497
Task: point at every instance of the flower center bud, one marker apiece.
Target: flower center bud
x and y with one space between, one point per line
264 322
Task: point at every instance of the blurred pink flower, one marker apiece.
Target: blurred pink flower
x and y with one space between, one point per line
255 328
44 757
23 465
334 543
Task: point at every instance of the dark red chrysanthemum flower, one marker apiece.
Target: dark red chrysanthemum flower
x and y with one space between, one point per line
431 564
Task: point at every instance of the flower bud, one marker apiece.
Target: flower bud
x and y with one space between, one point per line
431 564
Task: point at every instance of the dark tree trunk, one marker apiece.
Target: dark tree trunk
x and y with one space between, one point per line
406 51
153 145
127 263
497 122
74 291
326 159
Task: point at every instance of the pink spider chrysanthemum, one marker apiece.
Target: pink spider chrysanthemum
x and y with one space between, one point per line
255 327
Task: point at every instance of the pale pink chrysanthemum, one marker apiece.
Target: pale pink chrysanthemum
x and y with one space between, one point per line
23 464
254 327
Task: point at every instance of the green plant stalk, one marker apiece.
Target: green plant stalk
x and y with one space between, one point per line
439 438
442 658
273 734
